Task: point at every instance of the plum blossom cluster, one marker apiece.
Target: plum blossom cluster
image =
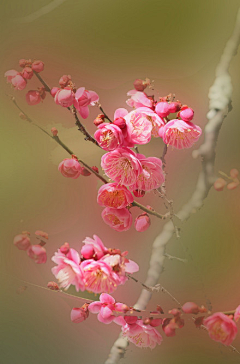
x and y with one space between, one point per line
97 269
37 252
220 183
142 331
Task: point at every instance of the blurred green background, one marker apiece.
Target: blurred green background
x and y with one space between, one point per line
105 45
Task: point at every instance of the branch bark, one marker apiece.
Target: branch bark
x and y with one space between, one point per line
219 105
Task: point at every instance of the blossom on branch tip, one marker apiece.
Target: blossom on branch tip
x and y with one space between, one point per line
118 219
15 78
70 168
142 222
180 134
68 270
221 328
114 195
33 97
79 314
38 66
84 98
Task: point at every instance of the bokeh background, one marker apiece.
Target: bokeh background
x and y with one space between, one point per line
105 45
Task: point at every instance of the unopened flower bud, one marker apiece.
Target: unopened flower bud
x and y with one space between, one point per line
186 113
219 184
85 172
22 241
95 169
190 307
142 222
162 109
33 97
54 131
79 314
22 62
38 66
53 286
120 122
174 107
159 309
99 119
140 85
139 193
65 248
64 80
54 90
27 73
234 173
147 321
232 185
87 251
156 322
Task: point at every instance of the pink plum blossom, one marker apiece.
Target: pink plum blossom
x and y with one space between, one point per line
138 99
121 265
38 66
14 77
33 97
139 128
109 136
186 113
142 222
79 314
138 333
22 241
122 166
162 109
180 134
99 276
65 80
155 119
68 270
106 308
118 219
221 328
237 314
152 175
27 73
64 97
37 253
84 98
93 248
114 195
70 168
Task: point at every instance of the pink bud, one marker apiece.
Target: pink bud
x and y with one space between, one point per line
54 131
22 62
130 319
33 97
95 169
120 122
156 322
186 113
142 222
139 84
64 80
162 109
85 172
99 119
232 185
37 253
27 73
41 234
190 307
87 251
234 173
65 248
38 66
54 90
219 184
168 328
174 312
79 314
174 107
53 286
22 241
139 193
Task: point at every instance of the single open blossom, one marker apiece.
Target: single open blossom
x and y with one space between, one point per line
33 97
155 119
221 328
93 248
180 134
14 77
68 270
237 314
70 168
37 253
139 127
106 308
118 219
122 166
64 97
114 195
138 99
152 175
22 241
109 136
99 276
84 98
138 333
